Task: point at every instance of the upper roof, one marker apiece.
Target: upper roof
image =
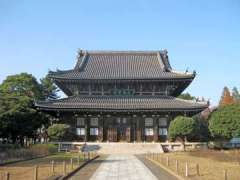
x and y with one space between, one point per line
121 65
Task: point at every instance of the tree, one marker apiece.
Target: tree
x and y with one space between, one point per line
236 95
187 96
226 98
236 133
225 121
18 117
182 127
60 132
202 132
49 89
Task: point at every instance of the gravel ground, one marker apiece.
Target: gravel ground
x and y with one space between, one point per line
160 173
86 172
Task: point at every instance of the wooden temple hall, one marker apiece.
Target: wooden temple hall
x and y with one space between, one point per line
118 96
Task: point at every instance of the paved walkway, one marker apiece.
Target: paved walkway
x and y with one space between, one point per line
122 167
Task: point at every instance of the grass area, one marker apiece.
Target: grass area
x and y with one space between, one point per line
211 164
25 170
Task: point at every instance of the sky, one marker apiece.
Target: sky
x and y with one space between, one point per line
38 36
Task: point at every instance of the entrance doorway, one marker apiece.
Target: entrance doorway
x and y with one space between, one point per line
124 130
124 134
120 130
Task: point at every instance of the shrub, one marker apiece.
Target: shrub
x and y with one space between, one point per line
182 127
5 147
60 132
28 153
45 149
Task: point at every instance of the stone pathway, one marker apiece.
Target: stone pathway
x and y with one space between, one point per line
122 167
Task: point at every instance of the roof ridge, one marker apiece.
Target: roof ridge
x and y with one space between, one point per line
122 51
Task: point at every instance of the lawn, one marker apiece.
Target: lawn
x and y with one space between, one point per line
25 170
211 164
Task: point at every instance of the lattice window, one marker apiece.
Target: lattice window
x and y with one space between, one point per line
80 121
124 120
80 131
148 121
148 131
94 121
93 131
163 131
162 121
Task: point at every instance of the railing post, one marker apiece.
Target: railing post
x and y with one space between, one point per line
35 173
71 163
167 161
197 169
186 169
7 176
177 166
225 174
64 168
78 160
52 167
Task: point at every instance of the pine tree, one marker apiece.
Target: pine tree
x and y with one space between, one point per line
236 95
226 98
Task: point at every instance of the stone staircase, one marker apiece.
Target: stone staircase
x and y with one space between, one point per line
125 148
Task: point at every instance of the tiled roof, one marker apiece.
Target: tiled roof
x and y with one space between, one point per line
121 65
111 103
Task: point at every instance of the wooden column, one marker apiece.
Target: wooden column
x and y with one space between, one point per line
133 124
155 125
139 129
86 128
100 135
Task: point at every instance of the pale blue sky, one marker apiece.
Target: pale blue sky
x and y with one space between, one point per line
36 36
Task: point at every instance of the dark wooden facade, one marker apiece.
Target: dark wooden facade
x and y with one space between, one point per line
121 96
118 127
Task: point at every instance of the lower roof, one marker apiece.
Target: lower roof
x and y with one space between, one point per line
119 103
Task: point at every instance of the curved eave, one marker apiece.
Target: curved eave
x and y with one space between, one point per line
48 106
192 110
177 78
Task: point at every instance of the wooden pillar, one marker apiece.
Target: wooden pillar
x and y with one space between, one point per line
86 129
155 124
100 135
132 124
138 129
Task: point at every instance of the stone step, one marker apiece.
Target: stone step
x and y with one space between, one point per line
125 148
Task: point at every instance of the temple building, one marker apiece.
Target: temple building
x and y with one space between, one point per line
121 96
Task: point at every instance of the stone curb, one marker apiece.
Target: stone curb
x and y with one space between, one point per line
77 169
166 169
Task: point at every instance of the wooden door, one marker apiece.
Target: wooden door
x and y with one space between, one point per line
128 134
112 134
124 133
139 135
121 133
